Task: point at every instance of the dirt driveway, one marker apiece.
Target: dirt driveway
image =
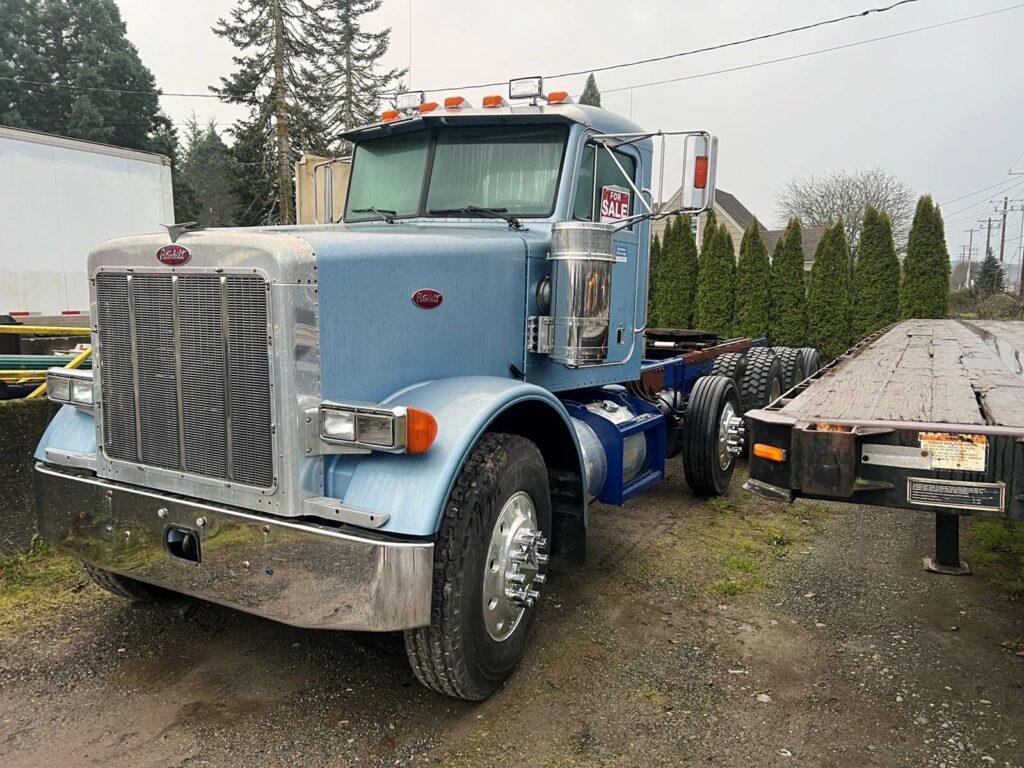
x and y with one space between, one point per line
726 633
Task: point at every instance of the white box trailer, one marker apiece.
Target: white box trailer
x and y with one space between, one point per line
58 198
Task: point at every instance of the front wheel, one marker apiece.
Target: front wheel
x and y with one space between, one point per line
712 435
490 564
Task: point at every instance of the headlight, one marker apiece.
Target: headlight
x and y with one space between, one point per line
70 386
397 430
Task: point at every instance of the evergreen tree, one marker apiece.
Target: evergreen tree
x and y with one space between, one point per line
351 87
708 231
989 280
97 87
828 293
186 204
278 46
924 291
789 301
207 165
654 282
716 284
590 94
876 277
677 276
753 299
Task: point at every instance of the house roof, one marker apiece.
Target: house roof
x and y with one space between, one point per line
810 238
725 202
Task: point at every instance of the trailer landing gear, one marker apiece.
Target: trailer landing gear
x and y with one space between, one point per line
947 547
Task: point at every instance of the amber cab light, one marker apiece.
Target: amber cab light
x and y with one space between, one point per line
456 102
559 97
769 452
391 114
427 106
495 100
420 430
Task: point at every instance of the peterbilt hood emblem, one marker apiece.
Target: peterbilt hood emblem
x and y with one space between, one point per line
427 298
173 255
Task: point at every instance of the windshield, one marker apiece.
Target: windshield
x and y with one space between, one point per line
509 168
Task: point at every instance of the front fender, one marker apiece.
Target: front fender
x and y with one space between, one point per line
413 488
72 430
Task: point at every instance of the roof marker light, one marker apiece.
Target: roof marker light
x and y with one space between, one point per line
389 115
427 106
493 101
456 102
559 97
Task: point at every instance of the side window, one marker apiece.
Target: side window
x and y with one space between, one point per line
587 206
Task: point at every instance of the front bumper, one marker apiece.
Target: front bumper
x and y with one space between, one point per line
299 574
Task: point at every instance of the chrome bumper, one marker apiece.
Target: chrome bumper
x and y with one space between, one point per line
298 574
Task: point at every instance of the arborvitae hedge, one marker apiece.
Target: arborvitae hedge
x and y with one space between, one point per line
876 276
677 275
753 295
789 302
924 291
653 283
716 284
828 294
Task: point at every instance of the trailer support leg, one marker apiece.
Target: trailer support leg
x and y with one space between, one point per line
947 547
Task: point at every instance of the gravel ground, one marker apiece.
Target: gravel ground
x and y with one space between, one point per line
725 633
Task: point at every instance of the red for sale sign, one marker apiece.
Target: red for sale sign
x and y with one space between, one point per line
614 204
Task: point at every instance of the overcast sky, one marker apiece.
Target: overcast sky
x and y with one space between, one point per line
942 108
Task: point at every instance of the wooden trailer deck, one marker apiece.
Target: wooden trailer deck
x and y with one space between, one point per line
926 415
937 371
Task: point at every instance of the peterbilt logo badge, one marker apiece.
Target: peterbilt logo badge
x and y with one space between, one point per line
427 298
173 255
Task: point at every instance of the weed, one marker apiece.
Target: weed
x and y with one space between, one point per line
35 583
999 549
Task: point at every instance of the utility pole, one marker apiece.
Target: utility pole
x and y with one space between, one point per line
988 226
1018 206
970 255
1002 229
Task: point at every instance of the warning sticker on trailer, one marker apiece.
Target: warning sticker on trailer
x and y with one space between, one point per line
614 204
947 450
956 494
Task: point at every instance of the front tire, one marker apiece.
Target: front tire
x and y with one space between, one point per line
495 530
708 456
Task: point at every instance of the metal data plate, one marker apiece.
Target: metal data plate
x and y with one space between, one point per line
905 456
956 494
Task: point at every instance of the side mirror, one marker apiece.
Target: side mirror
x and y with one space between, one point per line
700 162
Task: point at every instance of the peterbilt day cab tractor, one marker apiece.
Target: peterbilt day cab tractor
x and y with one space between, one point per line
397 422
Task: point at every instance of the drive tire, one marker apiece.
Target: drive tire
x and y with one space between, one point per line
762 380
792 362
455 655
812 361
731 364
130 589
702 459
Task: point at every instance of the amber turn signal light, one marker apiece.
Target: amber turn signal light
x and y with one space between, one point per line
420 430
769 452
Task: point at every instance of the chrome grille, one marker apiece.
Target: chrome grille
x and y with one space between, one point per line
186 373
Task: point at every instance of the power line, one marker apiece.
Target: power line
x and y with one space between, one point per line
606 68
811 53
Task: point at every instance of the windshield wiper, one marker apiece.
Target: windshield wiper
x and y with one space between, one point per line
386 214
475 210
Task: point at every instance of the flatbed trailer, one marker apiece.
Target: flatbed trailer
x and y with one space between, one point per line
925 415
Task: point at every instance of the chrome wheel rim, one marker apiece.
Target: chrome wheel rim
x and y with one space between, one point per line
724 422
516 557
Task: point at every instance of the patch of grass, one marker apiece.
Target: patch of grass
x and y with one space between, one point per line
999 549
718 504
36 583
741 563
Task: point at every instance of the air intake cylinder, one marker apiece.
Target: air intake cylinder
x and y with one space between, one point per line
581 258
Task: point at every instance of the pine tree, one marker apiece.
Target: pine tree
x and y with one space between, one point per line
97 86
277 42
828 293
654 282
989 280
352 87
924 291
590 94
876 277
207 165
677 275
716 284
789 300
708 231
753 276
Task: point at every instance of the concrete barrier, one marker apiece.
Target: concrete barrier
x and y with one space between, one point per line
22 423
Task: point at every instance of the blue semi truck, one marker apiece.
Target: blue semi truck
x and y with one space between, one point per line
398 421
